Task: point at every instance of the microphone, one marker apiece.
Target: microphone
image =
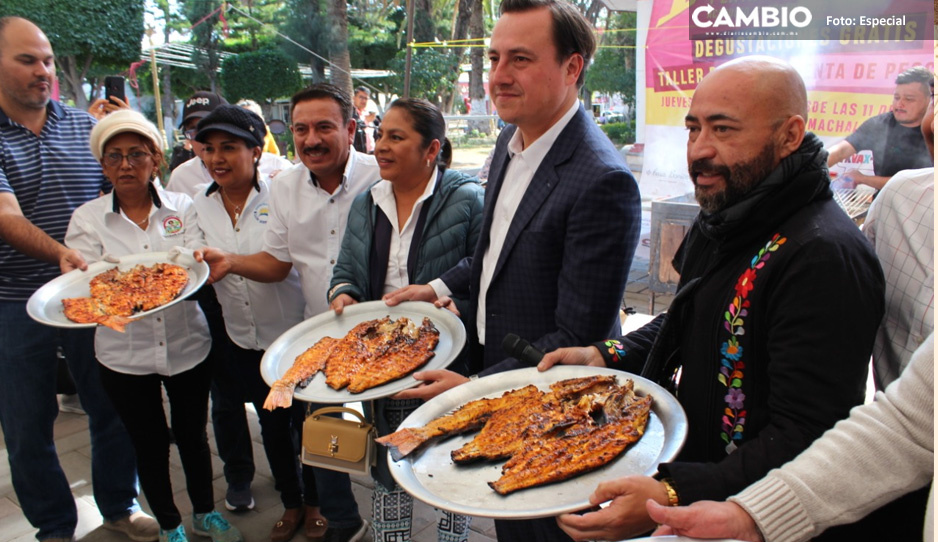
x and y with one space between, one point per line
522 350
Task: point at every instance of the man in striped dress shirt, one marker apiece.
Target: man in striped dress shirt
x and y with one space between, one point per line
46 171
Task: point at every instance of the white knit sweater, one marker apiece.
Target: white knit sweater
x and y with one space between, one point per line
882 451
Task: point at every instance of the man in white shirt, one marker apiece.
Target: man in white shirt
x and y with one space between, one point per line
562 212
192 172
309 205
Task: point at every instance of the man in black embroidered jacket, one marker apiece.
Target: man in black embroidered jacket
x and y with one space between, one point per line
773 322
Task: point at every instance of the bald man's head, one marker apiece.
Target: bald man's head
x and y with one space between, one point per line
746 116
769 81
27 66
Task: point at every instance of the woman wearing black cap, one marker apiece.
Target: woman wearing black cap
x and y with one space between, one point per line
163 350
233 214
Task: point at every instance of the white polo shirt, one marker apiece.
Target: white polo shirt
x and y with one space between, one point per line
255 313
173 340
187 176
307 223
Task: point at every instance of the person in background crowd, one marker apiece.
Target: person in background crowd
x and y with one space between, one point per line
166 350
46 171
884 449
415 223
192 172
562 213
102 107
232 214
271 163
270 144
901 226
309 207
362 142
893 137
768 339
197 106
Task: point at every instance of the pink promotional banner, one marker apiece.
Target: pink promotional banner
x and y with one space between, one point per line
849 72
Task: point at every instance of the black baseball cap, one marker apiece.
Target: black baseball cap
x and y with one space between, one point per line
234 120
200 104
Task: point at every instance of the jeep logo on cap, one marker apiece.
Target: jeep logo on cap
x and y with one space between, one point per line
198 100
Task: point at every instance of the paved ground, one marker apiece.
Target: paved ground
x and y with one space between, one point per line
74 449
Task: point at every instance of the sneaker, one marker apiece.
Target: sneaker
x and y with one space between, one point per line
176 535
214 525
137 526
58 539
347 534
238 499
70 404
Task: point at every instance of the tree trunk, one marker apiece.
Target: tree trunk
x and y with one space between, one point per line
74 76
460 31
476 56
339 55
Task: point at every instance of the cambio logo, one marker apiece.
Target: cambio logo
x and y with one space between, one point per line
758 17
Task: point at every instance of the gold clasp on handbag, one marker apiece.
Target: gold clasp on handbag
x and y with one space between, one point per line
333 444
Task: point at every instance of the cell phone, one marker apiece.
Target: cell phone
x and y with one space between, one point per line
114 86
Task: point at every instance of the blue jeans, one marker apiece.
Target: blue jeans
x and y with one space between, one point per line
28 410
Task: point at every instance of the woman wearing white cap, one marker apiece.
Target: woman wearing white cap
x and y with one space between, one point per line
164 350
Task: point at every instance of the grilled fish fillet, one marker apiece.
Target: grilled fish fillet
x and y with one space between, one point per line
579 425
398 360
468 417
304 368
577 451
370 354
116 294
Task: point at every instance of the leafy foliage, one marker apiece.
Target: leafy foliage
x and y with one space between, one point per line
90 37
260 75
109 31
620 133
431 74
613 69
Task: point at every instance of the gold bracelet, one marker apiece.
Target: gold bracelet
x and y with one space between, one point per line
672 493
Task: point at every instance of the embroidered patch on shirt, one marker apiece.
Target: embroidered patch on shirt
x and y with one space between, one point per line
172 225
261 212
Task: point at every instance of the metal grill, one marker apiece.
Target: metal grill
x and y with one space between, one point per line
854 201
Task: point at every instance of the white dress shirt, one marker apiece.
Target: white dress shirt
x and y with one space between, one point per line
173 340
518 175
255 313
187 176
307 223
401 238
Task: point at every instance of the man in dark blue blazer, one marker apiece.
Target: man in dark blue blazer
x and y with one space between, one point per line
562 213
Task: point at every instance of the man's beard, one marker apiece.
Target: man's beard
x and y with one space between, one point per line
740 179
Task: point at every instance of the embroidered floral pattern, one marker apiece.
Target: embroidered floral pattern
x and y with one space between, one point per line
615 350
732 366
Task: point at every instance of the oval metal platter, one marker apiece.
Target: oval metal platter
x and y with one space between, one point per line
45 305
431 476
284 350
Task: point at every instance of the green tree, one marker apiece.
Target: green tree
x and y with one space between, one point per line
204 16
88 36
307 24
262 76
613 69
431 74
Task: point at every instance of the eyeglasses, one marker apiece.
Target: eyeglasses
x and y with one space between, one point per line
190 134
137 158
